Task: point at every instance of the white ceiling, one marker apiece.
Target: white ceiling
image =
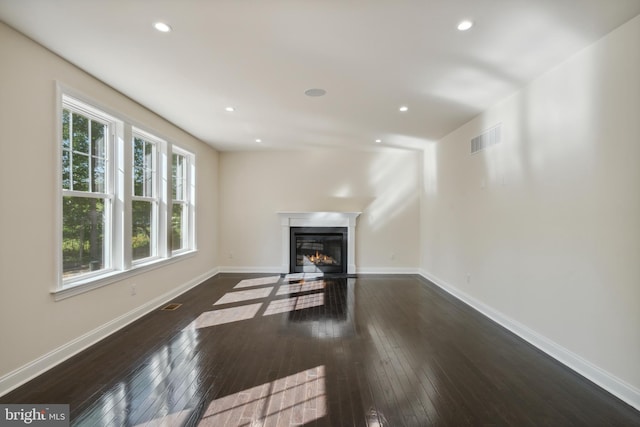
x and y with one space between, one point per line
371 56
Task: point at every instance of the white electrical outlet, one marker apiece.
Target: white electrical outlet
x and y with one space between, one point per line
133 289
230 255
393 256
468 278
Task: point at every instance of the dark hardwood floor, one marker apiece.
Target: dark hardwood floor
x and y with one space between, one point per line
372 350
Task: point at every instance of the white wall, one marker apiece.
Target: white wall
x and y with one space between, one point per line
31 324
547 224
383 184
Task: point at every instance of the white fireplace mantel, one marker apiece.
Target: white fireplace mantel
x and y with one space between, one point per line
320 219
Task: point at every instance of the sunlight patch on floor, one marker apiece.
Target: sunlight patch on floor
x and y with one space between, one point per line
297 399
225 315
302 276
301 287
295 303
247 283
239 296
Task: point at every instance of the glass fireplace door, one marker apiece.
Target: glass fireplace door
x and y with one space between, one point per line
318 249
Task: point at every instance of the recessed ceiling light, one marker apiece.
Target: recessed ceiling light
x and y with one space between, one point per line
230 109
403 108
315 92
378 141
465 25
258 140
162 27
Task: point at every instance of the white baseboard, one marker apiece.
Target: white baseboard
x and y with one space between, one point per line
47 361
278 270
619 388
387 270
237 269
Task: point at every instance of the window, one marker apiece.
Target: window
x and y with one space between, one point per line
86 192
181 201
117 209
144 199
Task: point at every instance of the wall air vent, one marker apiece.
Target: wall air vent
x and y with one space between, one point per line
486 139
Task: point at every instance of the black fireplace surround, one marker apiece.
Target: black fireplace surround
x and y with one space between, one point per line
314 249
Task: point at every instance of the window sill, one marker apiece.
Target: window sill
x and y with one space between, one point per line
92 283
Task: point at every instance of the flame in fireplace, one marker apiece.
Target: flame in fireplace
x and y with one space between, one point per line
321 259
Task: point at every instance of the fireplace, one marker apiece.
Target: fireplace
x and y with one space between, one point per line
321 220
318 249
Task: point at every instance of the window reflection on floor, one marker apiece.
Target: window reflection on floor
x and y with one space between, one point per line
294 400
161 392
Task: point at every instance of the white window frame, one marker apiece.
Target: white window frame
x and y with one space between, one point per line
86 110
158 199
119 186
188 203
